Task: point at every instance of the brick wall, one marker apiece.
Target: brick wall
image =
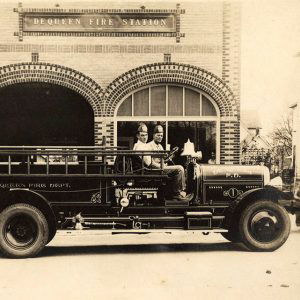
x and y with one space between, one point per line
201 46
104 127
207 57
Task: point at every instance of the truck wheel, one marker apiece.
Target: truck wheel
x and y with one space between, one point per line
23 231
232 236
52 233
264 226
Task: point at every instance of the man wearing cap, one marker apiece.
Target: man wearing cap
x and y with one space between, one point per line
176 171
141 144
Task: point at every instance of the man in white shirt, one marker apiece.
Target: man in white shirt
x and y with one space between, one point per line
141 144
175 171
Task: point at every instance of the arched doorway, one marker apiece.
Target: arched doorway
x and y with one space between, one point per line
39 113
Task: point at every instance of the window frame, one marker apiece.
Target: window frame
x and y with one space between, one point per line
167 101
168 118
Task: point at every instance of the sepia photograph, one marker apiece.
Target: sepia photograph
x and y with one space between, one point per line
149 149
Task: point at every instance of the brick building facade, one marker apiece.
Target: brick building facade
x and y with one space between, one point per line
188 80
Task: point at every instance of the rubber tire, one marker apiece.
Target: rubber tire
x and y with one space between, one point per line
232 236
52 233
256 245
42 234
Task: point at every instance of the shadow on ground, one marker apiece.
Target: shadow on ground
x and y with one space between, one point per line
143 248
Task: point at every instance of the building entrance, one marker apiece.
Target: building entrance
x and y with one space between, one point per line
44 114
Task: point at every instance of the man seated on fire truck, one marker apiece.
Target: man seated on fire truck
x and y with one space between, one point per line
176 172
141 144
142 138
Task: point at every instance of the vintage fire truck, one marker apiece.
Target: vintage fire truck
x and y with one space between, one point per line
45 189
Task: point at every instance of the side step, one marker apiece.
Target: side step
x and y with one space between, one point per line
198 220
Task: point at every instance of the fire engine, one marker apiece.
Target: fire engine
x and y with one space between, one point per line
46 189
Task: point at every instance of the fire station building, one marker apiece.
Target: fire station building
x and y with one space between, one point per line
86 73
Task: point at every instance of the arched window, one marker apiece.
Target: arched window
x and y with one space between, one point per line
185 113
168 101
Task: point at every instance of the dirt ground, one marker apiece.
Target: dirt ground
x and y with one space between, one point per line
89 265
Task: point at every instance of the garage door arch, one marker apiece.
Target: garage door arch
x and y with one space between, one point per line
56 74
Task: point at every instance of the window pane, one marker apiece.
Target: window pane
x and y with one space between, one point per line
141 103
192 103
207 107
175 105
125 108
158 101
202 134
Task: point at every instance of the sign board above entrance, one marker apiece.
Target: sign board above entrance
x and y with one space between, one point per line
99 22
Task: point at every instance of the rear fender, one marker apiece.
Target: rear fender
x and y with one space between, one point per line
30 197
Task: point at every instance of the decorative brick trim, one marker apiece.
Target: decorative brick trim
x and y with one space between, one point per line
171 73
99 10
102 34
56 74
233 119
110 48
231 45
229 142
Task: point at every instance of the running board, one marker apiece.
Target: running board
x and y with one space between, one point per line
89 231
191 220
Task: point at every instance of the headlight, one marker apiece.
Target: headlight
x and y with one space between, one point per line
276 182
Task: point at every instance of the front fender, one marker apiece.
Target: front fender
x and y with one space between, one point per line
266 193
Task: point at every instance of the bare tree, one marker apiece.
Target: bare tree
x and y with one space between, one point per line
281 141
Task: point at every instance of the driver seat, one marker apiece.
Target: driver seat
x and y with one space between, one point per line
138 167
132 164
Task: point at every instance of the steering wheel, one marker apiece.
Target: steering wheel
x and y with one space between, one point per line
170 156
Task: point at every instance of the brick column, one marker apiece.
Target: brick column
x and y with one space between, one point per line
104 131
231 65
229 140
104 134
230 126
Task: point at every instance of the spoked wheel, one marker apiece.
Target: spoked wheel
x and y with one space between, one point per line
23 231
264 226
